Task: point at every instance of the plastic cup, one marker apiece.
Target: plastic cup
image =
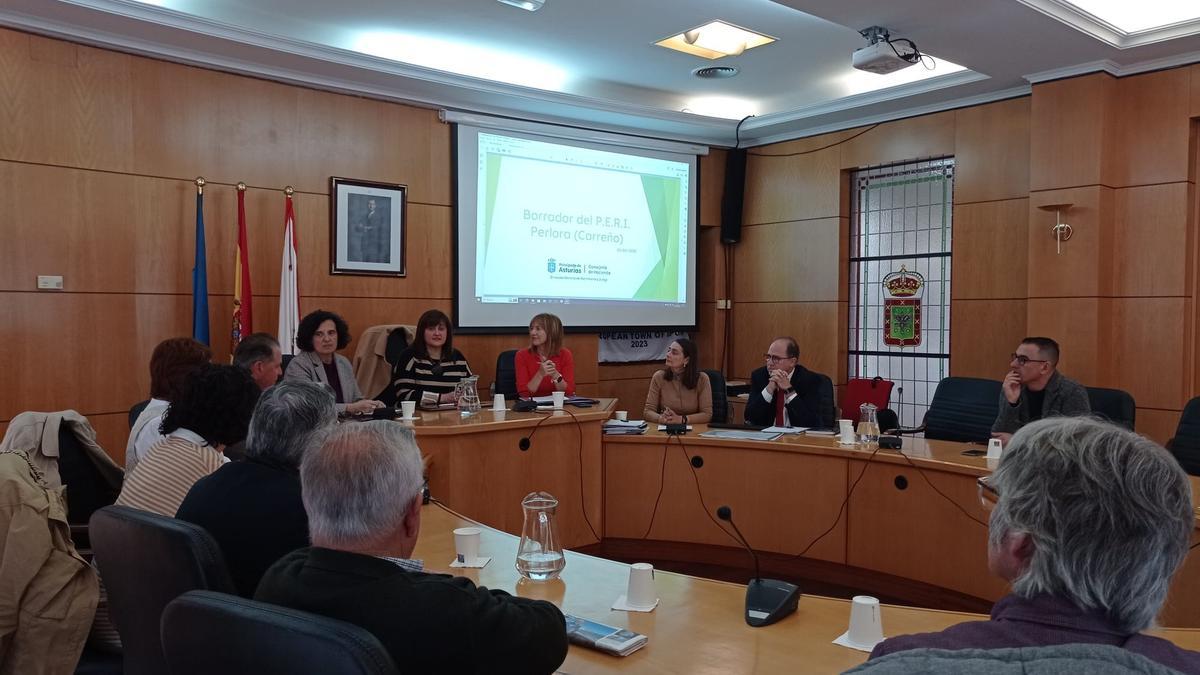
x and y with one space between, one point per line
866 627
408 409
640 592
559 399
498 403
622 415
466 545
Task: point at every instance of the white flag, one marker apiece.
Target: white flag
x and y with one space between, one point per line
289 294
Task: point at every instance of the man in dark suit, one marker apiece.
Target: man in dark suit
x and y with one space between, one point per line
783 392
362 492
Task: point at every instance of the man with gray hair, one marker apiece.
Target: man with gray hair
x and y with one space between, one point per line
253 508
1088 522
362 492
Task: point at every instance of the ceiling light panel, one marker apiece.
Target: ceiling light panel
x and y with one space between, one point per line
473 60
1125 24
715 39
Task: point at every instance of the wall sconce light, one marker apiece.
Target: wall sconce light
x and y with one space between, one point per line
1061 231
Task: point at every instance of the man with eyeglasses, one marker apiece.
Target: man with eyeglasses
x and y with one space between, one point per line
783 392
1087 522
1034 389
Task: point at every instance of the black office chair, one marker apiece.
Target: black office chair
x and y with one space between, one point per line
136 410
828 402
506 374
1113 405
1185 445
963 409
716 381
205 632
146 561
283 366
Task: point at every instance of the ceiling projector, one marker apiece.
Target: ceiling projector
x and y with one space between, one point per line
882 56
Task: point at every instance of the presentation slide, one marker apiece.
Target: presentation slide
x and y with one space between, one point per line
602 236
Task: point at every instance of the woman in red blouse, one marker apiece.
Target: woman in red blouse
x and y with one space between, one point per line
546 366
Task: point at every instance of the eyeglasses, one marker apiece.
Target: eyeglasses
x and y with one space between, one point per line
771 358
988 496
1021 359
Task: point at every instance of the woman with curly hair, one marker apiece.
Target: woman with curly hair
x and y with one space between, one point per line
319 336
212 411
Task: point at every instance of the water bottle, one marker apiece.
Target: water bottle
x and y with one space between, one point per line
540 556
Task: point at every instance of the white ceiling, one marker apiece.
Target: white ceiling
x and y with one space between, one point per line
612 76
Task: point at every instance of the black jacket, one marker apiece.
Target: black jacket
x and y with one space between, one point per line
429 623
253 510
803 411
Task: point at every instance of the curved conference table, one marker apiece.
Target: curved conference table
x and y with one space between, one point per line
902 525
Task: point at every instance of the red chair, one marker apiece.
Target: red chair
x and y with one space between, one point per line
860 390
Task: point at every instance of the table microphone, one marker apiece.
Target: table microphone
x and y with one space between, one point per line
767 600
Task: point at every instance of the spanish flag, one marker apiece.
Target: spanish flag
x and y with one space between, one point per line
243 314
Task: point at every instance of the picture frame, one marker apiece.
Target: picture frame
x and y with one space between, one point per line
368 226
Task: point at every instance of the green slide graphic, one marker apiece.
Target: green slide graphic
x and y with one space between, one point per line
492 177
662 200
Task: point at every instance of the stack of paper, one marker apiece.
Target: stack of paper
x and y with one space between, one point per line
632 427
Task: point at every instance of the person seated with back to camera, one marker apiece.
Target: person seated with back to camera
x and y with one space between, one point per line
318 337
1088 524
428 369
546 366
362 492
680 393
170 364
253 508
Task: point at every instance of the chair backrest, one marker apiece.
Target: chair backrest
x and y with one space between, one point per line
506 373
1115 405
147 560
136 410
716 382
828 402
205 632
963 409
283 366
860 390
397 341
1186 443
88 487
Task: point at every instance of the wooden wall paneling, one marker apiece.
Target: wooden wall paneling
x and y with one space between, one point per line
817 326
991 152
354 137
65 103
910 531
1144 349
900 141
112 433
710 265
799 187
1082 328
712 186
630 394
806 490
1150 230
991 249
259 134
1194 107
982 335
483 350
1158 425
790 262
176 125
1083 267
1070 125
1152 127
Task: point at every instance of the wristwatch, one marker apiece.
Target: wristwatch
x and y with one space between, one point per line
560 379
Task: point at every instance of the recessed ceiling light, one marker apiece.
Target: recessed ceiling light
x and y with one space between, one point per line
531 5
714 40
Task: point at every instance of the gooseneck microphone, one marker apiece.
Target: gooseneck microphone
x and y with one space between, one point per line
767 600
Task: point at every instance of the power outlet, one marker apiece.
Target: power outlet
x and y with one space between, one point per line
722 303
49 282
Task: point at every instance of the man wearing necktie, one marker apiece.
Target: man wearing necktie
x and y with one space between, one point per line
783 392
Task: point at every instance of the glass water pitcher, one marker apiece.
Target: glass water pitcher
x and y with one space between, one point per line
868 424
540 556
468 395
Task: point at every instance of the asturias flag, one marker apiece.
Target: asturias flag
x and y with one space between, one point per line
289 293
200 276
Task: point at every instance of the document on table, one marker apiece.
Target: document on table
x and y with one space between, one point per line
785 430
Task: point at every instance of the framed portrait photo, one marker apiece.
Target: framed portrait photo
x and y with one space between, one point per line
367 221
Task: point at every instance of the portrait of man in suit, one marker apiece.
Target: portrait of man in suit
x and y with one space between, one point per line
370 236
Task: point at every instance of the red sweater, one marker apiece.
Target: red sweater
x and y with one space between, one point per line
528 363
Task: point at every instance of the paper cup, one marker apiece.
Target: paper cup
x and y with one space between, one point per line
408 409
641 586
466 544
995 448
846 432
622 415
559 398
498 403
866 628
